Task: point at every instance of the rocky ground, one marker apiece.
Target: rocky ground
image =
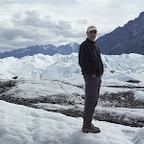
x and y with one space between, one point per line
115 100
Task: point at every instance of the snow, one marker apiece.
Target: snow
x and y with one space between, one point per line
139 95
59 75
36 88
139 137
20 125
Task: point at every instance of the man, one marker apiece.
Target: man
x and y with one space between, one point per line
92 70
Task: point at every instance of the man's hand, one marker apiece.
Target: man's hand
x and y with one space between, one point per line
94 75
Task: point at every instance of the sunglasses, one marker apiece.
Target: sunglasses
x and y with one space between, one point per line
93 31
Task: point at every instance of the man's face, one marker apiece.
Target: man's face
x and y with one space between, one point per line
92 35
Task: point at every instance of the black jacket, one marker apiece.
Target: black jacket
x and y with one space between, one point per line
90 59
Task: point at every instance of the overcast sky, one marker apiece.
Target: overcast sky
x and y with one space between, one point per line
31 22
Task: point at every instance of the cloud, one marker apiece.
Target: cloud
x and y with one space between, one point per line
30 27
5 2
28 22
50 2
34 20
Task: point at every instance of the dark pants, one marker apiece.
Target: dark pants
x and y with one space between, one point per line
92 88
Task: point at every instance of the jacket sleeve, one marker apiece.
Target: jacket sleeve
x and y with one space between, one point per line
97 62
83 60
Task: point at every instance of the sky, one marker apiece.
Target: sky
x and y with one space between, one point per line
32 22
59 78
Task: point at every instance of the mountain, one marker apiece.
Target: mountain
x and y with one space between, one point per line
31 50
126 39
43 49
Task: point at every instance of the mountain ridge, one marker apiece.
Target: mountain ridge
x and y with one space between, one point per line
126 39
48 49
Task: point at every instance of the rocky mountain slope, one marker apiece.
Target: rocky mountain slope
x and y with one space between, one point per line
126 39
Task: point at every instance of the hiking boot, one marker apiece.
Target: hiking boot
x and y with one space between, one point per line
90 129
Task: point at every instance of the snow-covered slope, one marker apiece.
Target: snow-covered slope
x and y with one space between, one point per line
60 67
22 125
50 79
